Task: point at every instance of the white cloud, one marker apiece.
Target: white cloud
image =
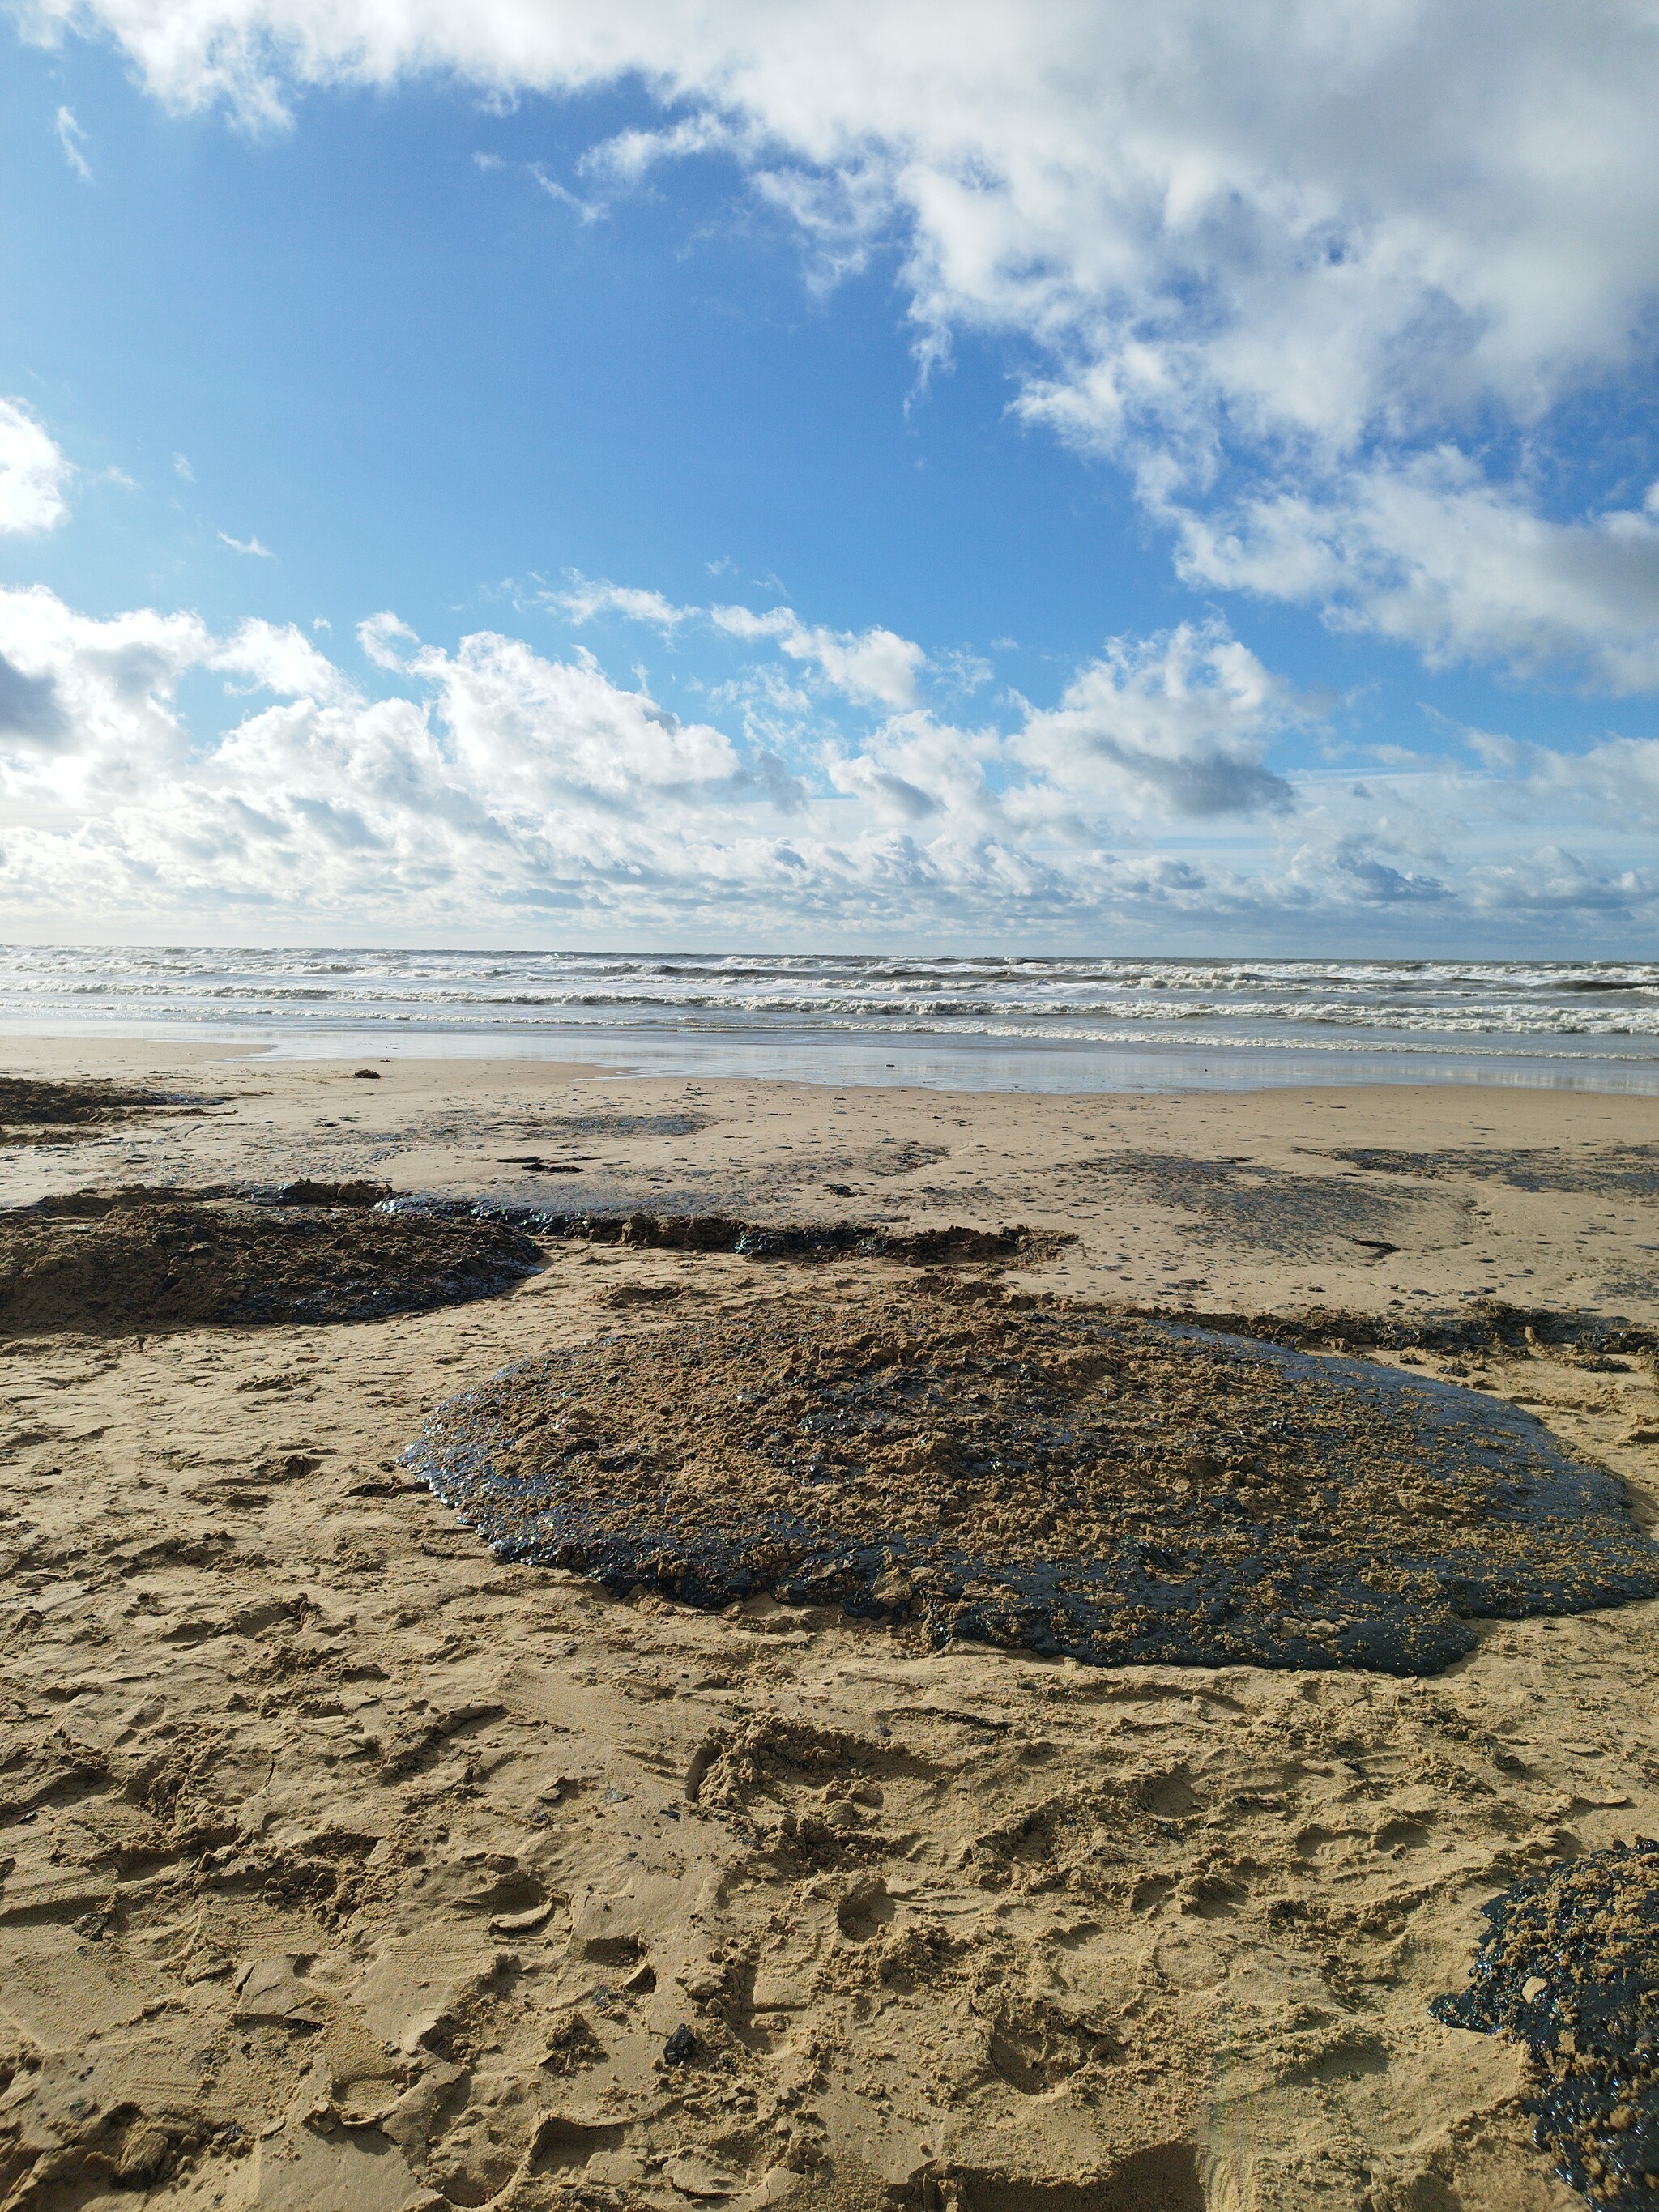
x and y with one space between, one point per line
262 656
1429 553
587 210
1305 243
99 721
876 667
249 545
1178 724
1553 882
498 789
72 138
587 596
33 472
182 469
873 667
382 638
631 154
1615 780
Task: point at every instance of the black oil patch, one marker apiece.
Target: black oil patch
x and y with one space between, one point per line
1571 1967
1051 1478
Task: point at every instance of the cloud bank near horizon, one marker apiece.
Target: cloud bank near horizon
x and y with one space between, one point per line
495 784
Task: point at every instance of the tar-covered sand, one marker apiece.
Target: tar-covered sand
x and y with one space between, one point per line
347 1863
983 1466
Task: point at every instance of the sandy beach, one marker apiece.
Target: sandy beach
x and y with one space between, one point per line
346 1867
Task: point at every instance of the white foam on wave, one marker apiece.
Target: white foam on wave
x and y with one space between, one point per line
1470 1009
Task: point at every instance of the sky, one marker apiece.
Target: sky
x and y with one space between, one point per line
783 473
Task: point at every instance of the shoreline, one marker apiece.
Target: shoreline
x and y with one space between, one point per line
352 1865
936 1061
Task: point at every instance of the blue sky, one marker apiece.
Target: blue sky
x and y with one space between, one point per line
960 490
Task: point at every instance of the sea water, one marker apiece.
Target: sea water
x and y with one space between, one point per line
960 1021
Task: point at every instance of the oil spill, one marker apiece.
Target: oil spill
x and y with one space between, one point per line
36 1111
142 1260
1045 1476
1239 1201
1570 1967
949 1246
1597 1171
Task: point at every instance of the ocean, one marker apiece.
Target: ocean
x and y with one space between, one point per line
957 1022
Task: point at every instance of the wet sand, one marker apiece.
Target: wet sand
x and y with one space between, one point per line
346 1864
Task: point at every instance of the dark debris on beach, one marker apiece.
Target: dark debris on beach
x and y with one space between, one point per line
1045 1476
34 1111
948 1245
1600 1170
143 1261
1570 1967
1242 1202
1483 1326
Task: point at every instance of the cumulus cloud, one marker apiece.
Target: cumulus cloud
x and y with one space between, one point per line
29 708
262 656
1177 724
384 638
1552 882
97 699
1429 553
1616 780
33 472
875 666
496 775
494 783
1259 246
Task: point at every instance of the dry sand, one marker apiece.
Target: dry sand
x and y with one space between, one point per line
348 1867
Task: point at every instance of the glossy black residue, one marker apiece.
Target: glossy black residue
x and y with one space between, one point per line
1570 1967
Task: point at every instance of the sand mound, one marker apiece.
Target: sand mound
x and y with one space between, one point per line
34 1111
1572 1970
144 1261
1056 1477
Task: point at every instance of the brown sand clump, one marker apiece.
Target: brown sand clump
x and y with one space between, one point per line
308 1191
36 1111
1058 1477
139 1261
